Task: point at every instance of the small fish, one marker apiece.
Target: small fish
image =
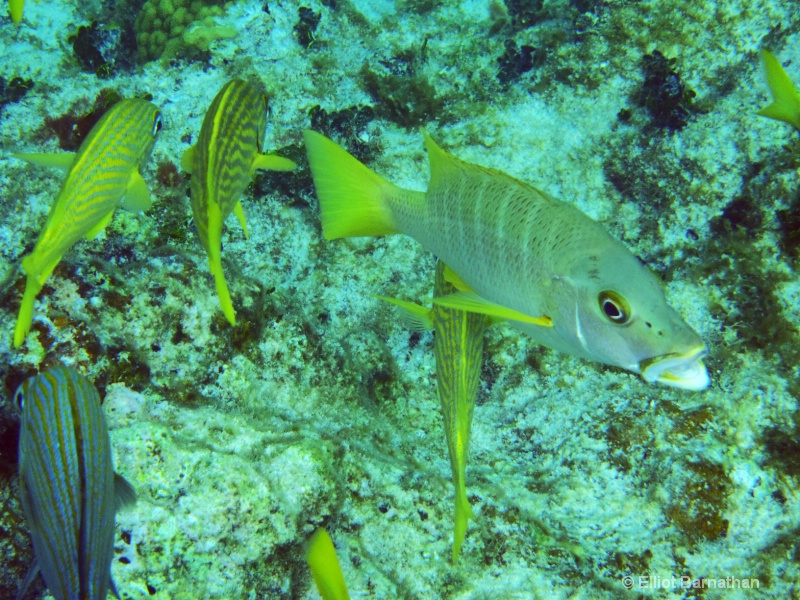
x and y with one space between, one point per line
69 490
325 569
15 9
103 172
458 346
785 99
222 163
520 255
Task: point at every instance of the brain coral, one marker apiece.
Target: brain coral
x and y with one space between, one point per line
164 27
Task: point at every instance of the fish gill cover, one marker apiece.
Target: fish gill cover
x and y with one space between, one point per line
319 408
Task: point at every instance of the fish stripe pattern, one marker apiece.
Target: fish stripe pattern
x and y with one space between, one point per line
458 347
67 482
98 178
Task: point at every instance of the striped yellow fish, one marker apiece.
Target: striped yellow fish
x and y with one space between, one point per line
103 172
518 255
785 99
69 490
458 345
15 9
222 163
325 569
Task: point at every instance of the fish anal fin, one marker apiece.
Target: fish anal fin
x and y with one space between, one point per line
137 197
471 302
100 226
239 212
272 162
416 317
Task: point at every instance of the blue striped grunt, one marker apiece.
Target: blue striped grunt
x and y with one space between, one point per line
519 255
458 346
103 172
69 489
222 162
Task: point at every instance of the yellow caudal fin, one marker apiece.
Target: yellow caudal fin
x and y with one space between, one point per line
325 569
15 8
33 285
463 515
786 101
215 261
352 198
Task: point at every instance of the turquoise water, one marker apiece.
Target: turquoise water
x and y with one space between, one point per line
320 406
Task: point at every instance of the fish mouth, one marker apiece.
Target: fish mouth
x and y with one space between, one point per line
685 371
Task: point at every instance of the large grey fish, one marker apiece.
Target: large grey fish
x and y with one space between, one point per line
520 255
70 492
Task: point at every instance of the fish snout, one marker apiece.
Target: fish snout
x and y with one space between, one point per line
681 370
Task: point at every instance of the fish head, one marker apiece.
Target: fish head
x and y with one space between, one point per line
619 315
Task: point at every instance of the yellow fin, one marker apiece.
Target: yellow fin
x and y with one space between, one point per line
95 231
463 515
33 285
471 302
352 197
137 197
15 9
325 569
215 261
271 162
453 279
786 101
239 212
187 158
418 318
58 160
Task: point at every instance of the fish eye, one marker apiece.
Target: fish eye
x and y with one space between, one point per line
157 124
614 307
19 398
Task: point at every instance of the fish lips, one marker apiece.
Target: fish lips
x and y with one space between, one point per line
681 370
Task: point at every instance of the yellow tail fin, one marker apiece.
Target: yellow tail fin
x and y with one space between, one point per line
785 99
325 569
352 197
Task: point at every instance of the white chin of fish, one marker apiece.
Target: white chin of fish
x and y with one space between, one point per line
684 371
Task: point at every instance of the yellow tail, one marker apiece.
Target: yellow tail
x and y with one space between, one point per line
352 198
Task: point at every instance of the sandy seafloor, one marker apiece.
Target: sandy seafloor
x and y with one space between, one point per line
320 407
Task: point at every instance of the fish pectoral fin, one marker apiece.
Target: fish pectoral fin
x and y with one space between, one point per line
188 158
124 494
95 231
239 212
137 197
471 302
60 160
272 162
416 317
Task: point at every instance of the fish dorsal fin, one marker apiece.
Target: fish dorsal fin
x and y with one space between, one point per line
416 317
239 212
439 159
137 197
101 225
187 158
271 162
124 494
471 302
59 160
